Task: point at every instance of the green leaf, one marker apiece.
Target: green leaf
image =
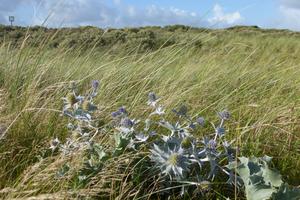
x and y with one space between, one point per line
260 181
121 143
259 192
63 170
102 156
287 193
272 177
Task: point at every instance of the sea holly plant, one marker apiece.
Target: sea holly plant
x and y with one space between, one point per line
261 182
79 110
174 154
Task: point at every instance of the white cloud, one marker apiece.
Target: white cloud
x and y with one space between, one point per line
98 13
290 3
74 13
289 14
164 16
222 19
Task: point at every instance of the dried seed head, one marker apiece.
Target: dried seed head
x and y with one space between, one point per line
71 99
72 85
86 105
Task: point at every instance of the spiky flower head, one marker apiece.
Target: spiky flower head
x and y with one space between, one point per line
182 111
141 137
127 123
220 131
121 112
171 162
152 99
54 144
200 121
212 144
225 115
95 84
72 85
115 114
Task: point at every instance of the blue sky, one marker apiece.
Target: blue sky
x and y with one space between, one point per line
127 13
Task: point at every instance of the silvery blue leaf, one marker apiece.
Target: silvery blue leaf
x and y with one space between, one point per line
152 133
141 137
158 111
147 124
192 126
70 126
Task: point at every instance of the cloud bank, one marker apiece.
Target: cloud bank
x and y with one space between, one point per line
105 13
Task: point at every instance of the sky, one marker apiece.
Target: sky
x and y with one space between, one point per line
281 14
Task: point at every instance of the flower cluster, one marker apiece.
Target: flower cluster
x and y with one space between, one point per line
79 110
183 157
173 148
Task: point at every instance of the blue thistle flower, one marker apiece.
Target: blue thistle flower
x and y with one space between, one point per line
224 115
115 114
152 99
200 121
122 110
172 162
220 131
127 123
95 84
182 111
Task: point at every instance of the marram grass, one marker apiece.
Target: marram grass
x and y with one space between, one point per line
255 76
